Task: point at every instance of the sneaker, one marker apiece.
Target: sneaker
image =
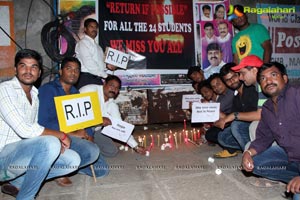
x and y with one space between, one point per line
225 154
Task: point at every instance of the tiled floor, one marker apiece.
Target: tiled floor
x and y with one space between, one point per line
172 174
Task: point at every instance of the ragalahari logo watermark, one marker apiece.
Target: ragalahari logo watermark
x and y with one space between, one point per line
273 13
269 9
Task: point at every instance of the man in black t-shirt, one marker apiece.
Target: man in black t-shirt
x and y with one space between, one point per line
245 100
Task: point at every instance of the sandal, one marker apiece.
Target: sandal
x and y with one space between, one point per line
264 183
9 189
63 181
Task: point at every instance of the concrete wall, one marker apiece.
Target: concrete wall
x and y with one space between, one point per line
28 33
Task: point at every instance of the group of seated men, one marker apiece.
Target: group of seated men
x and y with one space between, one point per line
26 113
259 116
271 124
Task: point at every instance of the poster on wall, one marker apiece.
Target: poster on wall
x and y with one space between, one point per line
158 34
7 47
133 105
165 104
283 23
213 32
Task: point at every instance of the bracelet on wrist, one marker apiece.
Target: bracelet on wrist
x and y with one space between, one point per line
64 137
250 153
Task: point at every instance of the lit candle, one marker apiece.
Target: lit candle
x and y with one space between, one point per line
166 138
152 141
158 140
175 138
186 136
140 140
170 140
180 135
145 141
184 124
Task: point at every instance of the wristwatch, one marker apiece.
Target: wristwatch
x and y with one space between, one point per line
236 115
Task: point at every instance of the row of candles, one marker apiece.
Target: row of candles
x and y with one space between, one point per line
172 138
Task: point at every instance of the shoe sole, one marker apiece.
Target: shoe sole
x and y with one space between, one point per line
225 157
4 191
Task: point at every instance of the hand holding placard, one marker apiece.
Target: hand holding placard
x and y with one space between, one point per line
119 130
116 58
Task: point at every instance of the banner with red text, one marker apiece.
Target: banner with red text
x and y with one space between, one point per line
158 34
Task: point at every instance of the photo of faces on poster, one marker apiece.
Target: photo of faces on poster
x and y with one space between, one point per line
214 34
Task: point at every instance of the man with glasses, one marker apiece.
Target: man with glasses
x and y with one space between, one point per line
236 136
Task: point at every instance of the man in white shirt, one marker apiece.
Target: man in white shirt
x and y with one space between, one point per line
209 37
91 56
26 158
106 94
223 30
224 40
206 13
214 55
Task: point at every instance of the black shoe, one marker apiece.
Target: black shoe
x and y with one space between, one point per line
9 189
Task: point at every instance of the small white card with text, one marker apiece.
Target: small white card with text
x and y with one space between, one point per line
205 112
187 98
119 130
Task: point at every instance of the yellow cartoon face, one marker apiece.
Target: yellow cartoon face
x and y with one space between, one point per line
243 46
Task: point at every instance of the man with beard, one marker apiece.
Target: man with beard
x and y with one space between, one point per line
109 108
81 139
236 136
280 121
91 56
215 58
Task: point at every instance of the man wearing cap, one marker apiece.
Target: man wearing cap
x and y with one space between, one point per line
236 135
248 69
214 56
251 39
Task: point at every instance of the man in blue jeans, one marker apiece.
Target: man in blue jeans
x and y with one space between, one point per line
29 153
280 122
81 139
236 135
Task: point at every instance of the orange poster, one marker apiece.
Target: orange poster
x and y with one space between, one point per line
7 47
